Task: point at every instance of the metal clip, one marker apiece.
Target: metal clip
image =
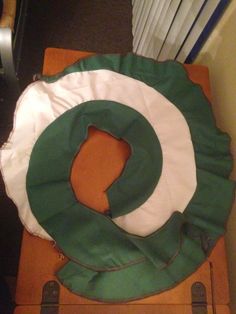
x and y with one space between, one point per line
199 300
50 298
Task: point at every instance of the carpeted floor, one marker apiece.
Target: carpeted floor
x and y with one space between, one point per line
103 26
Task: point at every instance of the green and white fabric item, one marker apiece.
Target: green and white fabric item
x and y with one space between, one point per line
166 209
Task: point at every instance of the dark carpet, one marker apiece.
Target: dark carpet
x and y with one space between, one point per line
102 26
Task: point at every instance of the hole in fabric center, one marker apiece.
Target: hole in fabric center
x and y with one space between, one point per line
98 164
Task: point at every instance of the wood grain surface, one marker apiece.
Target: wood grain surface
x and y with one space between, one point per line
123 309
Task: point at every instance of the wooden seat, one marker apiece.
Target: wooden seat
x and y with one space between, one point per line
40 259
122 309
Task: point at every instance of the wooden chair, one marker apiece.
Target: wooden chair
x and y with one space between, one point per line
38 290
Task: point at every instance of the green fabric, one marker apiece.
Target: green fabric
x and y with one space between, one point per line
52 199
133 267
133 282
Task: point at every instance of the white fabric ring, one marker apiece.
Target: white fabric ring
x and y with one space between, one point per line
42 103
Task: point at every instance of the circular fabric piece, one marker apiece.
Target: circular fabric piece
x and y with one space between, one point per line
174 190
161 246
48 186
51 160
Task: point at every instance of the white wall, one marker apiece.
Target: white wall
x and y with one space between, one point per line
219 54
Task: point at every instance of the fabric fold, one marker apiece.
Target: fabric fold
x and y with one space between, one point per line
134 282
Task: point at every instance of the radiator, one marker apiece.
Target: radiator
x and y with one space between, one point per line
170 29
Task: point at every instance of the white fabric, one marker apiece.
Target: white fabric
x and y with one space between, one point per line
42 103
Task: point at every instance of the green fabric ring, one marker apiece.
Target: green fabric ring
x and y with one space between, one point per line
48 182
